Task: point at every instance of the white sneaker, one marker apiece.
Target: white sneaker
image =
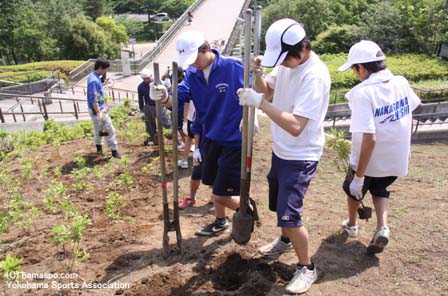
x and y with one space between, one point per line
276 247
352 231
379 240
183 163
302 280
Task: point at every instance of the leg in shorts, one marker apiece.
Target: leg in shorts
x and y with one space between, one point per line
221 168
377 186
288 183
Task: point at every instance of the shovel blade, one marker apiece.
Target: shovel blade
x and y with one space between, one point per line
242 227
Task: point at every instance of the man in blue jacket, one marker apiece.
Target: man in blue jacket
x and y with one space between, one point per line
102 125
211 83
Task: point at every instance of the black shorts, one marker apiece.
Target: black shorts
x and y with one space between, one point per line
377 186
196 174
189 131
221 168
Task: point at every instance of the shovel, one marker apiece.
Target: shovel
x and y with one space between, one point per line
243 219
168 225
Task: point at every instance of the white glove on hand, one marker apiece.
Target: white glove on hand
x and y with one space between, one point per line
185 128
356 187
142 115
197 157
256 127
158 92
257 69
249 97
167 83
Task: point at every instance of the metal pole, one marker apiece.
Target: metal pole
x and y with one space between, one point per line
176 222
244 197
166 213
252 110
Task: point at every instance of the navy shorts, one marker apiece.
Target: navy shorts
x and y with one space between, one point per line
288 182
221 168
189 131
377 186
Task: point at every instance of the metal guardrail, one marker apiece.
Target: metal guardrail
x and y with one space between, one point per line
42 101
231 41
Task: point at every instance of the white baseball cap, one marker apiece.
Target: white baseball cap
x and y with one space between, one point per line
187 45
364 51
145 73
280 36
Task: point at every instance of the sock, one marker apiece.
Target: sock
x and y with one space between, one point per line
286 240
193 197
310 267
221 221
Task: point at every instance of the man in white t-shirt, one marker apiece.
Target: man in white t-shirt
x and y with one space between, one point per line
381 128
299 87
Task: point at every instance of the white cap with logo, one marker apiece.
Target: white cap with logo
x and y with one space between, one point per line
187 45
145 73
364 51
280 36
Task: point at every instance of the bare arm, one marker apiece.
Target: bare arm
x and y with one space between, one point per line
367 146
291 123
96 107
261 86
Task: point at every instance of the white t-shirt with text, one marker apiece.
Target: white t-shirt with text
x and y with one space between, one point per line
303 91
383 105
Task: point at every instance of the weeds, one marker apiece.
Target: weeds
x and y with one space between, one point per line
11 268
114 203
337 142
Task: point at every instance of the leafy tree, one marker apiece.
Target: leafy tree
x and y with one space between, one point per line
116 32
314 14
336 39
93 8
85 39
133 27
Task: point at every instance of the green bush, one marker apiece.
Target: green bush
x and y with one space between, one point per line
414 67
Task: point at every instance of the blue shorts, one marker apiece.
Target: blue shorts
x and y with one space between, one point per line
288 182
221 168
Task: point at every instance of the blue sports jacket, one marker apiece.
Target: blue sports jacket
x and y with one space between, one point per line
95 92
218 113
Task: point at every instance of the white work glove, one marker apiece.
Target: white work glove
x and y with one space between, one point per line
167 83
249 97
356 187
185 128
142 115
100 116
256 68
158 92
197 157
256 127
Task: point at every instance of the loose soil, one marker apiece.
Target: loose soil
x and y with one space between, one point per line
414 263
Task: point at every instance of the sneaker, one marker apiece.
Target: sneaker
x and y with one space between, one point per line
183 164
187 202
302 280
212 229
352 231
116 154
379 241
276 247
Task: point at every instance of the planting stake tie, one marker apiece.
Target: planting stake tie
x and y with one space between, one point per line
167 224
